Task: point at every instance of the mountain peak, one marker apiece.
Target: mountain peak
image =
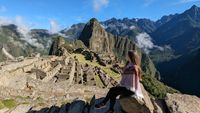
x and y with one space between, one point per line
92 20
194 7
92 28
193 13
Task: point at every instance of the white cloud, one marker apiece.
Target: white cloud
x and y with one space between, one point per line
144 41
54 27
148 2
99 4
187 1
22 28
132 27
3 9
79 19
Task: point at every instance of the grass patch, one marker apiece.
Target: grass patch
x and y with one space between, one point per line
9 103
21 97
111 73
98 81
40 99
1 105
88 99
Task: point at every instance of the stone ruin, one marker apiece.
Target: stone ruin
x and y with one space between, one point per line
52 78
43 74
102 59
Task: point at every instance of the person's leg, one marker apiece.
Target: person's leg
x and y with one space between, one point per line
118 91
109 95
112 94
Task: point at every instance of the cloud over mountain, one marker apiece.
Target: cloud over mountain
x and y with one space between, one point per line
144 41
22 28
99 4
54 26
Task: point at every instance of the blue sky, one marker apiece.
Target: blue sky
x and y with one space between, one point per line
63 13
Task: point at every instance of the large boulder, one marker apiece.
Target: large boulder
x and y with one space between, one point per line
180 103
103 110
77 106
134 105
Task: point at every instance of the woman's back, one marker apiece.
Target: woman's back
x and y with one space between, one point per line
131 79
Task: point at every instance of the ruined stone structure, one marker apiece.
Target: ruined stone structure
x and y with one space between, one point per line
49 74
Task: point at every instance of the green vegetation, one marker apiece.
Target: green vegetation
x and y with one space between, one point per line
98 81
8 103
65 102
156 88
1 105
12 41
40 99
88 99
21 97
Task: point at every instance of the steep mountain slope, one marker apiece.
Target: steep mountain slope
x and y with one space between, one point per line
165 19
19 44
122 27
187 75
181 30
74 31
182 34
182 72
10 39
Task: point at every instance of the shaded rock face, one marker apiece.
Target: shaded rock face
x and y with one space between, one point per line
178 103
57 47
96 38
122 46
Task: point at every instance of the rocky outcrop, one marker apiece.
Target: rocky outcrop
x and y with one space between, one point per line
57 47
179 103
135 105
96 38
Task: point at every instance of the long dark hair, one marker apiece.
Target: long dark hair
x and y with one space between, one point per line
136 60
134 57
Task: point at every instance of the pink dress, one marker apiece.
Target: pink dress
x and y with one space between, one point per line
130 79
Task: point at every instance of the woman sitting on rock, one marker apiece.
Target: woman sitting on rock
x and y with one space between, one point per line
129 85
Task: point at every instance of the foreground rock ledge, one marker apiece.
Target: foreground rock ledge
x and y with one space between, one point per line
133 105
179 103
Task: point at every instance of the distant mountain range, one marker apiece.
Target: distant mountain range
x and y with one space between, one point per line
182 34
172 42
